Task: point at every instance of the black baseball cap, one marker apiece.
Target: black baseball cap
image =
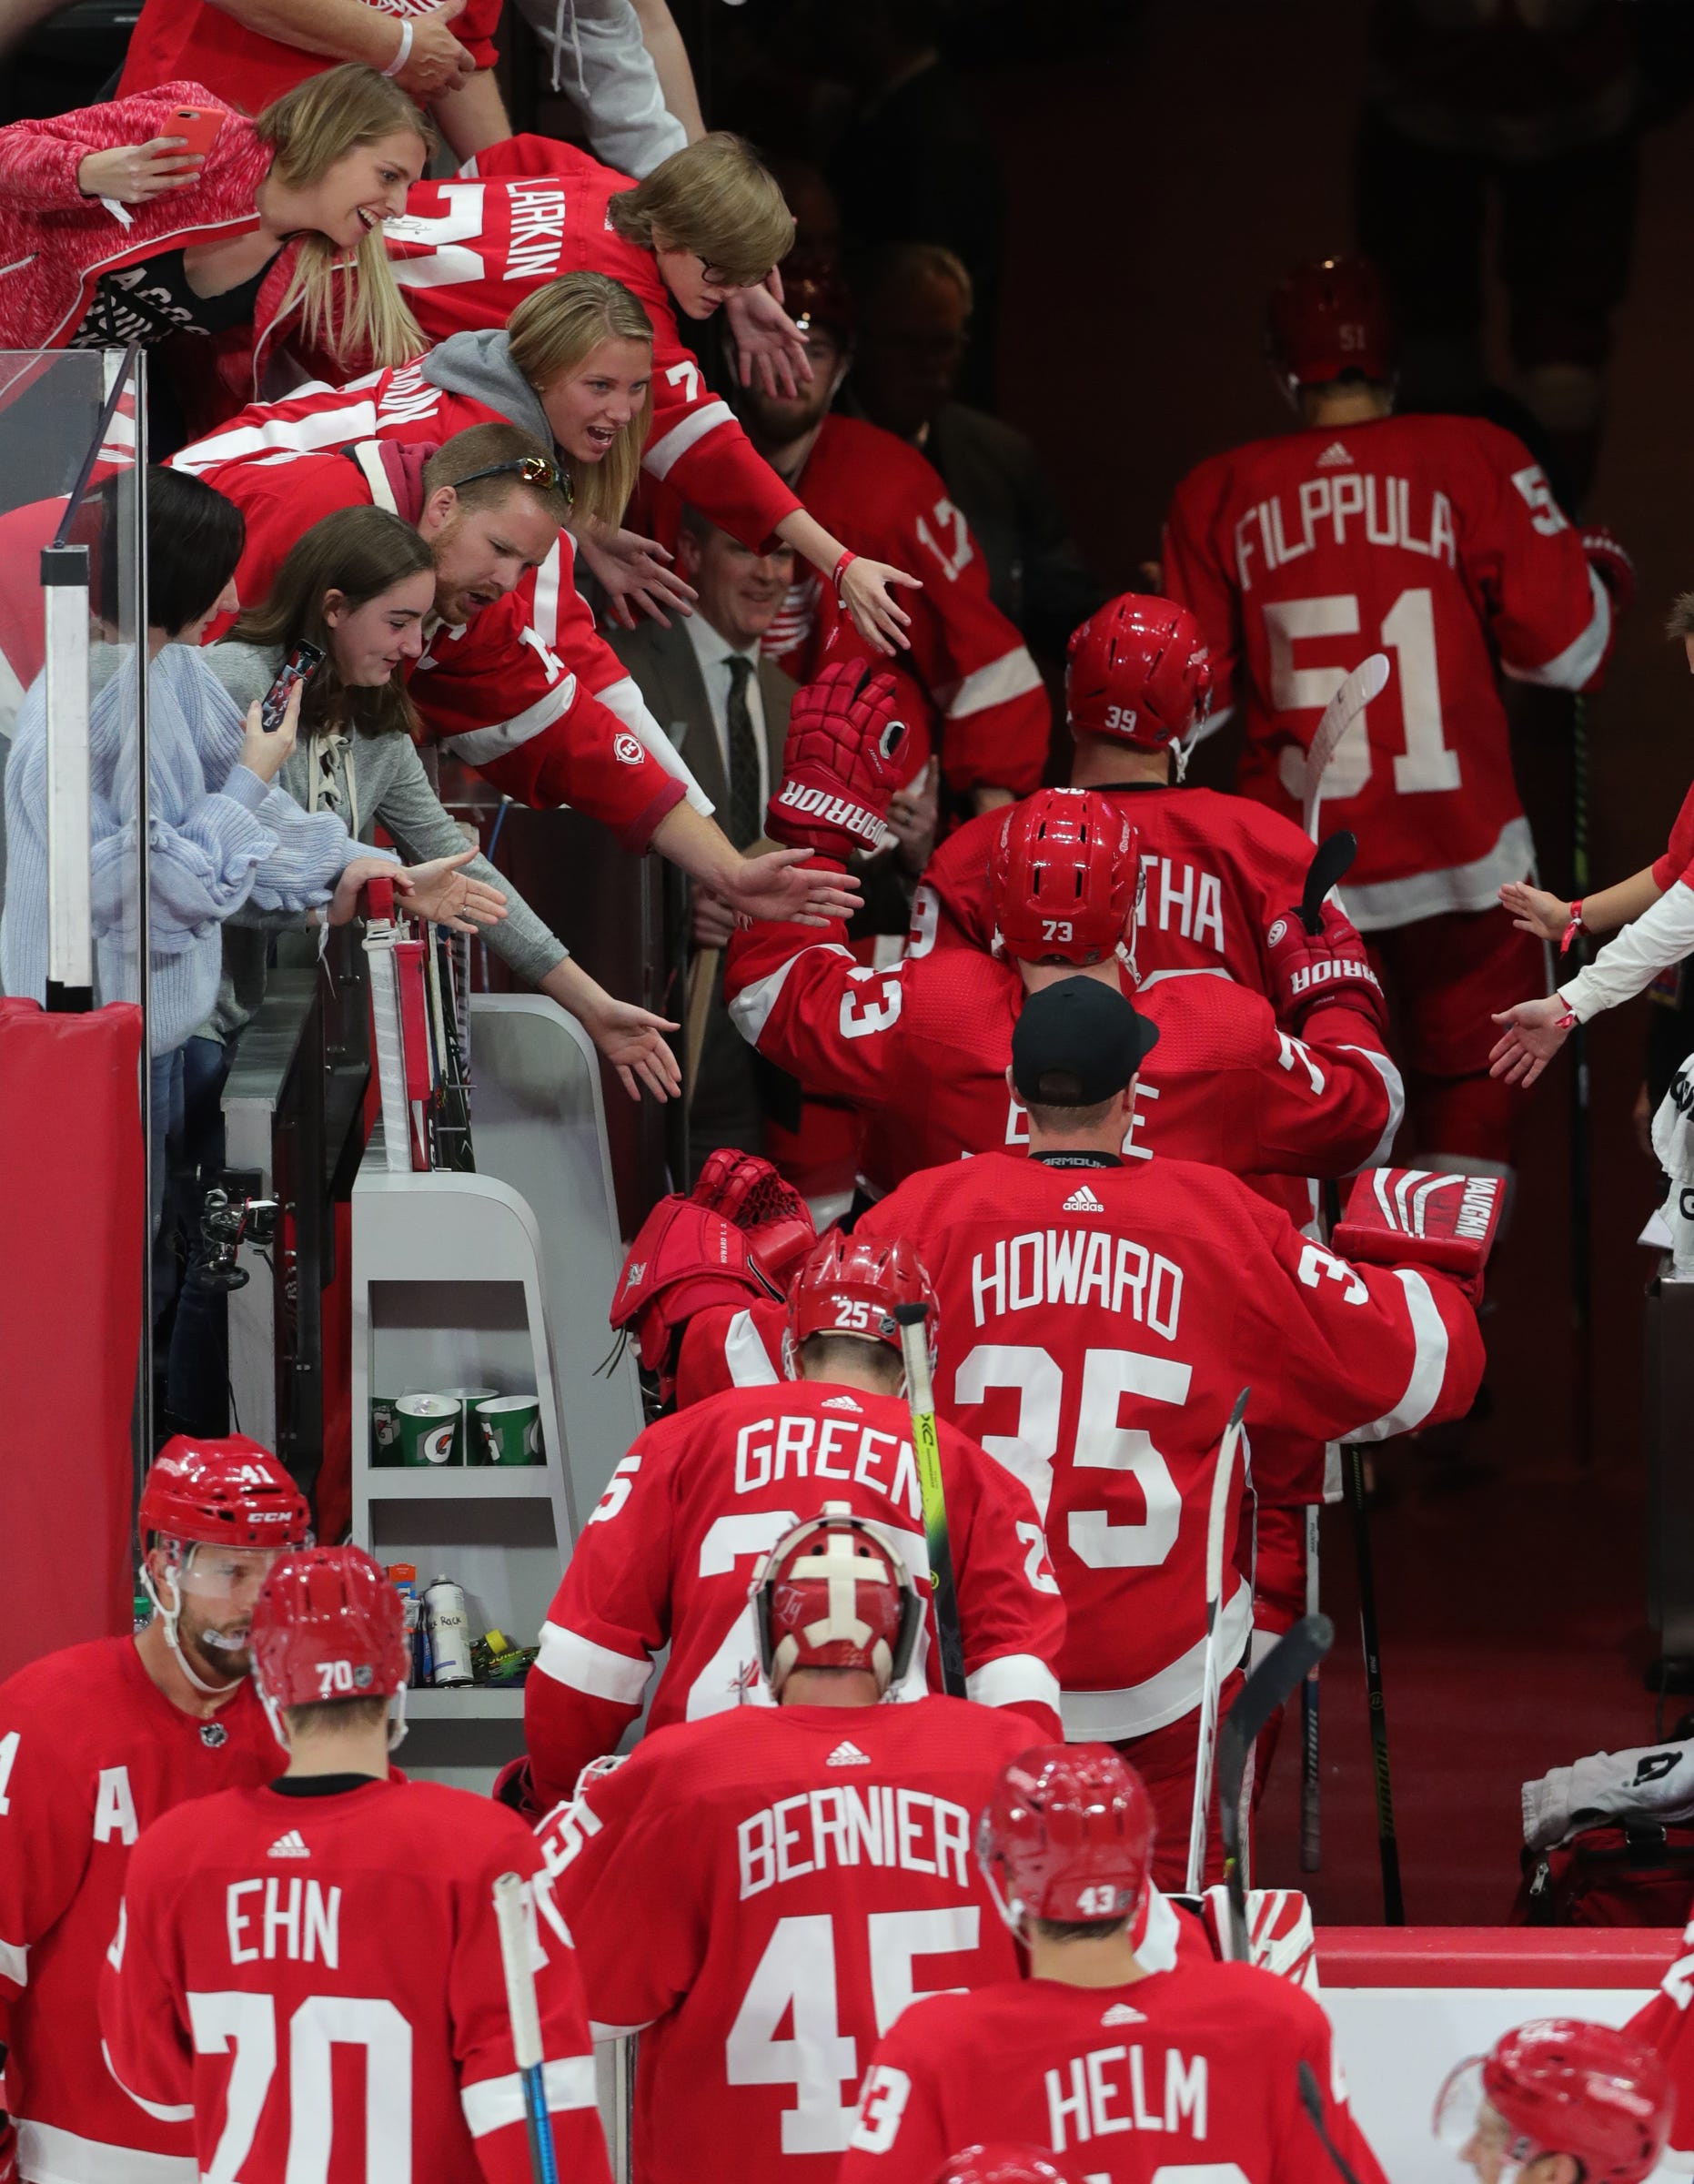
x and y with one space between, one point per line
1085 1029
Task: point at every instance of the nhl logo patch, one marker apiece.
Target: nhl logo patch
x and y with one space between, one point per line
213 1735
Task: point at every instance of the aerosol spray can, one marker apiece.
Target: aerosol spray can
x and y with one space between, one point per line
450 1632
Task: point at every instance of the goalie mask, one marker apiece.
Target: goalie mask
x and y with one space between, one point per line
835 1593
1330 317
1067 1834
1004 2164
329 1626
1063 874
1559 2086
1138 673
220 1511
849 1286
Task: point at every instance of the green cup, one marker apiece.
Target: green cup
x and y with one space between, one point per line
385 1431
430 1431
509 1430
467 1398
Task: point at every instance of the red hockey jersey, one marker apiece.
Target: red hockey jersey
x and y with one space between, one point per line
1217 871
1678 858
925 1045
1097 1324
1436 541
511 692
91 1752
668 1552
881 496
317 1981
468 251
763 1894
1188 2073
198 38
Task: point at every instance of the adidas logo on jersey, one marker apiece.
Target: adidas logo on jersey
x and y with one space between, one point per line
291 1845
1082 1200
847 1754
839 1402
1334 457
1121 2013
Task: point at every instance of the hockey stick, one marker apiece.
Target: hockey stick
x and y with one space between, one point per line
912 1320
1369 680
511 1912
1311 1777
1581 1200
1331 862
1223 1469
1267 1690
1388 1846
1312 2102
703 981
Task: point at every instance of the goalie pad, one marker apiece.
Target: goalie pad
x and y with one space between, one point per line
684 1259
769 1213
1281 1938
1412 1217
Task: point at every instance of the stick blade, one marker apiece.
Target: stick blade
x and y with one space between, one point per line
1331 862
1369 680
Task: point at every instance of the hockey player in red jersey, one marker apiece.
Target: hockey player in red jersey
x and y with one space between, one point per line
340 1908
1099 1317
96 1742
1436 541
1560 2101
1126 2071
989 715
664 1555
923 1046
762 1893
1217 871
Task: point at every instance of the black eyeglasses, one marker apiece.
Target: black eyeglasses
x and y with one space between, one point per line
534 469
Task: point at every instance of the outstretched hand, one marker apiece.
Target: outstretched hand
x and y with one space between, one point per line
784 884
1535 1031
633 1041
877 616
1533 910
769 346
634 574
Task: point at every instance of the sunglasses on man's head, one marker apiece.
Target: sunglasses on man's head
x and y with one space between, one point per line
534 469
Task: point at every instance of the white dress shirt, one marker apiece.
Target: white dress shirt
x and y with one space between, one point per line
714 653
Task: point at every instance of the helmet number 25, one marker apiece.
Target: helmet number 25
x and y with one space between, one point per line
1408 631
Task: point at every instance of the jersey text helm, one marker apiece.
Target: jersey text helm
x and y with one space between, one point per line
1062 875
1067 1834
835 1593
1002 2164
328 1625
1328 318
224 1492
1561 2086
849 1284
1138 673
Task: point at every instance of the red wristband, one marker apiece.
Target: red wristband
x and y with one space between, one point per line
1572 929
848 558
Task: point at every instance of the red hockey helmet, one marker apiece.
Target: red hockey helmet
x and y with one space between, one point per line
849 1284
1561 2086
1062 875
328 1625
1067 1834
1329 317
769 1213
1138 673
814 294
835 1593
226 1492
1004 2164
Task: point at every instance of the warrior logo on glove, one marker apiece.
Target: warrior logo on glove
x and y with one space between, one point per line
844 763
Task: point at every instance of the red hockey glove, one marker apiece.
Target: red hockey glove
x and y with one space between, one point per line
1328 966
1408 1217
769 1213
684 1259
1612 564
844 760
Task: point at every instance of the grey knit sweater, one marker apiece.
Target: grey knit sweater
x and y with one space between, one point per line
369 781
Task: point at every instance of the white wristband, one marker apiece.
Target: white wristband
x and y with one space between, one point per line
405 53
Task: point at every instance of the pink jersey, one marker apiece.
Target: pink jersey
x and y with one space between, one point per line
1191 2072
668 1553
763 1894
1097 1323
469 250
316 1979
1434 540
1218 871
91 1752
923 1047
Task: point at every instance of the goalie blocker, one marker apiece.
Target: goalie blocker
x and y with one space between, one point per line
1412 1216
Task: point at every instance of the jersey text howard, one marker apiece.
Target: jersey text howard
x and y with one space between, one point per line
1073 1266
847 1826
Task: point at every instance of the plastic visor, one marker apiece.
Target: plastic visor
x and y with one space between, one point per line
1468 2123
207 1574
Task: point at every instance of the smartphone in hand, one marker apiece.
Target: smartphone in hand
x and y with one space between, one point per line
199 126
302 663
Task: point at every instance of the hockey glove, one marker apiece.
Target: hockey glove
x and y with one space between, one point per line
1328 966
1612 564
1408 1217
769 1213
684 1259
845 758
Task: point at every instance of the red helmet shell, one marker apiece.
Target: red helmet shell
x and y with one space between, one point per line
849 1284
328 1624
835 1593
1588 2090
1004 2164
225 1493
1067 1834
1063 874
1138 673
815 294
1330 316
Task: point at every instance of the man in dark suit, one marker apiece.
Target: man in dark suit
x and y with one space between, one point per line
725 708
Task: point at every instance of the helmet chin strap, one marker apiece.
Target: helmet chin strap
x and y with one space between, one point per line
171 1618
